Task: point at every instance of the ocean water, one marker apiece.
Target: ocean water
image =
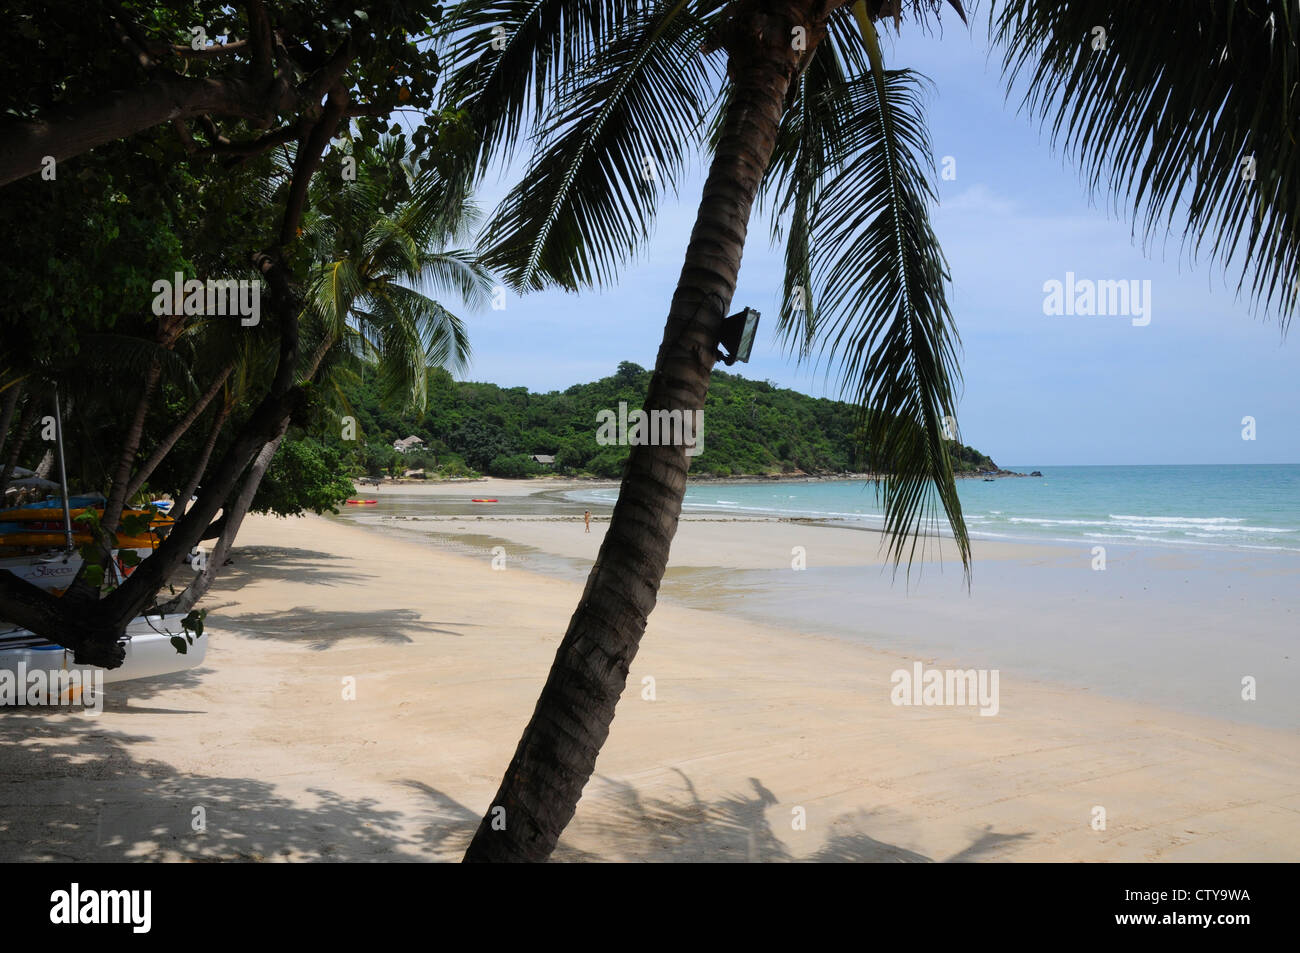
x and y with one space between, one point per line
1199 588
1232 507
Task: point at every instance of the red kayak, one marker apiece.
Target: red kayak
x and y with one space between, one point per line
360 502
482 501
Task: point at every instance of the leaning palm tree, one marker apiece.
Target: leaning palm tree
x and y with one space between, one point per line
386 241
382 243
792 104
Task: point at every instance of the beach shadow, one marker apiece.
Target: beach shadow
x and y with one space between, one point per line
449 826
74 793
988 843
116 694
281 564
322 629
734 828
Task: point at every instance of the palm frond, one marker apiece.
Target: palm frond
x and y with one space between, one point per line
511 56
330 292
443 336
133 356
617 132
458 272
879 278
810 148
1167 106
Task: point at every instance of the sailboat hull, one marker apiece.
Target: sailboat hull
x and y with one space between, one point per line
149 651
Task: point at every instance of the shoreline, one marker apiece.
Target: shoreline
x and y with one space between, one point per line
1177 603
553 488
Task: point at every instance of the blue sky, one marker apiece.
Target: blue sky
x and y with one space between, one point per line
1037 390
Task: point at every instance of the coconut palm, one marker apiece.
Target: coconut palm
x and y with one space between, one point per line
385 241
792 104
379 241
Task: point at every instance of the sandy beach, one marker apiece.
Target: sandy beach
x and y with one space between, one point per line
735 739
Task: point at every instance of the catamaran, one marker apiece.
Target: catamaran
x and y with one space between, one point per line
150 643
38 544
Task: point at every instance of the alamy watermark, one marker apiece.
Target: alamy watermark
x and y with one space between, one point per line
946 687
1083 296
214 297
75 905
655 428
57 687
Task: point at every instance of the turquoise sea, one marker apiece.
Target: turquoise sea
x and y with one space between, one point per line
1199 588
1236 507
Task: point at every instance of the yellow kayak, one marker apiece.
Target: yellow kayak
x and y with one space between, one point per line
49 540
55 514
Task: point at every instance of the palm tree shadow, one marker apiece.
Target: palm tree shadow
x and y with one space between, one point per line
322 629
736 828
249 564
449 826
75 793
988 843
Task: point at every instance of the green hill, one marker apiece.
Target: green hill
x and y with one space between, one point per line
751 428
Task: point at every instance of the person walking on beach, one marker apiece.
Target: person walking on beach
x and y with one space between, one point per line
586 518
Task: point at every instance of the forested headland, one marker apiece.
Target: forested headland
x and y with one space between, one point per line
751 428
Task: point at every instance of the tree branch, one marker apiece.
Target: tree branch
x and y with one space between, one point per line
69 131
308 161
261 39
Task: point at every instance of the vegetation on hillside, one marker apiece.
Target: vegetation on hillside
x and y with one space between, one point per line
750 428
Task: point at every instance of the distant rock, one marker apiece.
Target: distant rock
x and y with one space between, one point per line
1037 473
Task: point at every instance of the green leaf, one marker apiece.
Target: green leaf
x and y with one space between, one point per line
612 137
179 644
193 622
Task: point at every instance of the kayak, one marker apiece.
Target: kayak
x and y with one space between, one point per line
51 502
43 527
149 651
361 502
46 519
483 501
43 514
49 540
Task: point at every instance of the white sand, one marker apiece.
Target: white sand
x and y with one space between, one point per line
750 727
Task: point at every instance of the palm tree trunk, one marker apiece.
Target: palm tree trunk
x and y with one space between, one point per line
7 413
201 467
178 431
117 494
25 421
234 516
557 753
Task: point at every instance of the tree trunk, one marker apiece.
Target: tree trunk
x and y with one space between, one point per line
90 626
25 421
118 492
201 467
557 754
233 517
178 431
7 413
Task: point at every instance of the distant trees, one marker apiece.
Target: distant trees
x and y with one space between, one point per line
751 428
